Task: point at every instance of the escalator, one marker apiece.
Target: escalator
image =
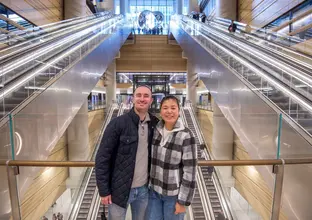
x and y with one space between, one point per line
22 37
290 91
270 114
206 172
18 59
91 191
54 91
45 65
270 42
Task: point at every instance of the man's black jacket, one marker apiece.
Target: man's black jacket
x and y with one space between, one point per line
115 159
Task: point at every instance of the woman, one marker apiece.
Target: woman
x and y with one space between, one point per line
173 168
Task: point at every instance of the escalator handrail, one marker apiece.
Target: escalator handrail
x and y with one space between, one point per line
220 190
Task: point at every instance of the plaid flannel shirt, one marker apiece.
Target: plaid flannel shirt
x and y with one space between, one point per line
174 163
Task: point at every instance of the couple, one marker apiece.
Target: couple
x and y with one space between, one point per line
146 163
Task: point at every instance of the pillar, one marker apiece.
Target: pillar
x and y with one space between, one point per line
107 5
124 7
111 83
191 83
74 8
222 143
226 9
179 6
193 6
78 144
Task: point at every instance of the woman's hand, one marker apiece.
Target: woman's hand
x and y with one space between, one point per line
179 209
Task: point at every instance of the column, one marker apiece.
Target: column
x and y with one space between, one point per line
193 6
222 143
107 5
191 83
124 7
111 83
78 144
179 5
74 8
226 9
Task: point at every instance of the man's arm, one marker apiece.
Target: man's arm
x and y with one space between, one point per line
104 156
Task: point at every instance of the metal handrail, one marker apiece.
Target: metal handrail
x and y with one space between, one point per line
202 163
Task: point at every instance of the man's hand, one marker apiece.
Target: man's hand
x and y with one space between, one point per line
179 209
107 200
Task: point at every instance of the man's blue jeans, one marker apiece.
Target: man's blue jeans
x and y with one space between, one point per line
162 207
138 200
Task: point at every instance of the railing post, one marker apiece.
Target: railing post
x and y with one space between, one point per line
12 171
278 170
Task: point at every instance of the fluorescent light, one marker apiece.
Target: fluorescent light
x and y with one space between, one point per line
98 91
20 143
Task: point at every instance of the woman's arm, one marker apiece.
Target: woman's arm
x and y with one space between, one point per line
189 165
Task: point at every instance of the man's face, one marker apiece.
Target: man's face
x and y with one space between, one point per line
142 99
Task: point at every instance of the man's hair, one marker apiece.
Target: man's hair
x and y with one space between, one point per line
170 97
143 86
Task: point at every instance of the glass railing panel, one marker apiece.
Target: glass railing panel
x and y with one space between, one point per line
5 154
297 178
54 191
244 189
5 141
297 191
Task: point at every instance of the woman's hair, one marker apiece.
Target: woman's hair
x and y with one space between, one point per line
168 98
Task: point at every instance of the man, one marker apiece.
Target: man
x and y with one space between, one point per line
123 161
232 28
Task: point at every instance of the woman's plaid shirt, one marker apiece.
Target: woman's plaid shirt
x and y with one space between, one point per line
174 163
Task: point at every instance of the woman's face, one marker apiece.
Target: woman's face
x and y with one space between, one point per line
169 111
